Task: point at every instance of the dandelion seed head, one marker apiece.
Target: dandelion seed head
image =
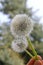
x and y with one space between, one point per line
18 45
21 25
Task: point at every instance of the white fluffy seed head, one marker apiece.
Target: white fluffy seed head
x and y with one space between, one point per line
18 45
21 25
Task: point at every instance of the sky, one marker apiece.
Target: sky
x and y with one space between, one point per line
35 4
4 17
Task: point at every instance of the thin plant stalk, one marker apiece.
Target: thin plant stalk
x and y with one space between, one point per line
32 47
29 53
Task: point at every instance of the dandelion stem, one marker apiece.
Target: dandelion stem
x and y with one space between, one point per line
32 47
29 53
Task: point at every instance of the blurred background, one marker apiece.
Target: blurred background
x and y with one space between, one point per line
8 9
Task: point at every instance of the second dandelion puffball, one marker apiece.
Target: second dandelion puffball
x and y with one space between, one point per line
19 45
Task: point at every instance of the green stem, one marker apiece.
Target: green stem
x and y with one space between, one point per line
29 53
32 47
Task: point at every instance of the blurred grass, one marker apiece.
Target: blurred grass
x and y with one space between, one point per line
10 57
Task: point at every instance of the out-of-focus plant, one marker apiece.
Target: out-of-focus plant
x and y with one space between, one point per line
37 33
10 57
13 7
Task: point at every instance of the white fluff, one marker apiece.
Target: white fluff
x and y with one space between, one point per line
18 45
21 25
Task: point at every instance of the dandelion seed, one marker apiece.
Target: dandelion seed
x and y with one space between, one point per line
19 45
21 25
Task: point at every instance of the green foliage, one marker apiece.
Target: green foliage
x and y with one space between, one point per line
37 33
13 7
10 57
